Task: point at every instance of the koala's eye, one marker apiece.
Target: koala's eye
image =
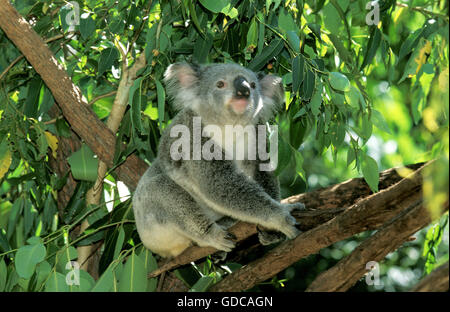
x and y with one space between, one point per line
253 85
220 84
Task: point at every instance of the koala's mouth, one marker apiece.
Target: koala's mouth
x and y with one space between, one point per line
239 106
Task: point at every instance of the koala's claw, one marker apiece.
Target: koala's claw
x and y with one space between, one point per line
291 232
221 239
296 206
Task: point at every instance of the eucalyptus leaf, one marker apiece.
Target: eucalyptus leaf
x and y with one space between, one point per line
27 257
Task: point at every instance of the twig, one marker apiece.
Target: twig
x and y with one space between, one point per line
102 96
2 75
423 11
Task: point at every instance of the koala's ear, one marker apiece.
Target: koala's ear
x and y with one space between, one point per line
181 83
272 93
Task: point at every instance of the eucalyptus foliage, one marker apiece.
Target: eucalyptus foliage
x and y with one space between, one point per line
328 53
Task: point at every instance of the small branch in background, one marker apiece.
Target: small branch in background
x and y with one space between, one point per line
435 281
7 69
423 11
93 196
102 96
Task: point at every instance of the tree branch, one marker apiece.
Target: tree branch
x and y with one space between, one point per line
366 214
388 238
323 205
67 95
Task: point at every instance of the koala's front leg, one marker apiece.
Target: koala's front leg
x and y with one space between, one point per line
231 193
270 184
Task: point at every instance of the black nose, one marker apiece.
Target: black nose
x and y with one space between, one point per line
242 87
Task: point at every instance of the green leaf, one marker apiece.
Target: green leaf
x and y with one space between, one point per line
56 283
215 6
83 164
337 134
366 127
299 165
107 59
372 47
202 284
119 242
298 67
3 275
308 85
133 277
273 49
286 21
352 97
161 94
27 257
32 100
136 101
284 155
351 156
379 121
43 270
316 100
202 48
65 256
150 265
106 282
370 172
339 81
16 211
331 19
252 35
293 40
87 27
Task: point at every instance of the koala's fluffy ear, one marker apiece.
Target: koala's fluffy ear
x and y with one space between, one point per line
272 92
181 84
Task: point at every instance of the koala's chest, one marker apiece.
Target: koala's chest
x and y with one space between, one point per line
241 148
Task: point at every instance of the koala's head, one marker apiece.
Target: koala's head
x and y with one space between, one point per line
225 92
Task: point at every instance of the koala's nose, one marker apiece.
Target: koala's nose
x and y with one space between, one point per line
242 87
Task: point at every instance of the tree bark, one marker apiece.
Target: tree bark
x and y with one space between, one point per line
368 213
322 204
68 96
388 238
435 281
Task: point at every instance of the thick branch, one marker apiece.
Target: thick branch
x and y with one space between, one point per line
391 236
368 213
325 204
435 281
68 96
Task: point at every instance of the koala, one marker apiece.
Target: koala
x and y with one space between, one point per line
186 200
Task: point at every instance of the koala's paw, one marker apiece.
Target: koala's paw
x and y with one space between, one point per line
286 222
270 237
295 206
219 256
220 239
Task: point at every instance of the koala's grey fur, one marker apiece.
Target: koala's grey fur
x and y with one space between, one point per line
180 202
